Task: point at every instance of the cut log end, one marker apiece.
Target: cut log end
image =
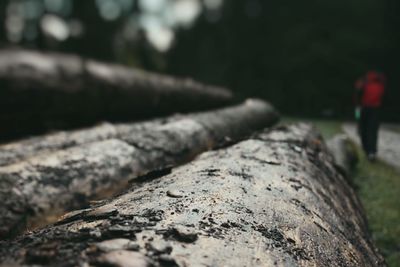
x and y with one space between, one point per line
344 153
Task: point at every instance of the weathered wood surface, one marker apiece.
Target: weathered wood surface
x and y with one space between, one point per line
273 200
59 177
343 152
26 148
44 91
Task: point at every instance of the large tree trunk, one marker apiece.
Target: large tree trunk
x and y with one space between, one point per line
42 91
59 178
273 200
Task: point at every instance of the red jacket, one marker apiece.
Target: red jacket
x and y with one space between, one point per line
371 90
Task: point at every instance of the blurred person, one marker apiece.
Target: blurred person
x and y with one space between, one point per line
369 93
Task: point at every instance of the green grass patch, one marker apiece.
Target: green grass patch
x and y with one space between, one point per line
393 127
328 128
378 187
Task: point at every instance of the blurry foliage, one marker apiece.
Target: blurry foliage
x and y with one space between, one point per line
303 56
109 30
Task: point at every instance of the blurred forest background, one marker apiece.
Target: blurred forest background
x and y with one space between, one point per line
303 56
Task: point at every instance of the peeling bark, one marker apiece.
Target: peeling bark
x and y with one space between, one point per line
59 178
45 91
273 200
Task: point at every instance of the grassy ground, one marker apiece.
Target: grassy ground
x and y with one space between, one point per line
395 128
327 128
378 187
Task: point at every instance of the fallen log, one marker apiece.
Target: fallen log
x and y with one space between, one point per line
43 144
45 91
343 152
36 189
273 200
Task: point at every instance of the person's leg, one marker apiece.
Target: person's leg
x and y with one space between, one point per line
363 126
374 130
371 133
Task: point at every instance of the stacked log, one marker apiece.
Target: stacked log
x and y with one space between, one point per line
275 199
43 177
45 91
20 150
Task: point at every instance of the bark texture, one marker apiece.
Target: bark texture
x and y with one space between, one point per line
273 200
70 169
43 144
45 91
343 152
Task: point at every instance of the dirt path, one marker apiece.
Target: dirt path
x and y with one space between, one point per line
388 144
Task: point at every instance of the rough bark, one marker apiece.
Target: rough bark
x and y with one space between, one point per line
26 148
273 200
343 152
42 91
39 187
